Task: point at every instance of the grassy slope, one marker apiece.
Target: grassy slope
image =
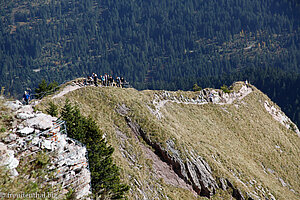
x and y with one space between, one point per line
235 139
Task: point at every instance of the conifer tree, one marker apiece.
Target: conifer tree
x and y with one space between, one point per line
105 174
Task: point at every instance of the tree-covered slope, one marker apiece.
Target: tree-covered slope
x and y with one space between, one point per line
162 138
151 43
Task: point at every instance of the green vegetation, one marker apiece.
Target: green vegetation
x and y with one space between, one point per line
105 174
239 141
225 89
153 44
52 109
196 87
45 89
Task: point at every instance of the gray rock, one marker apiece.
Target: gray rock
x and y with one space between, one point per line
26 109
14 105
14 172
7 157
24 116
28 138
13 163
122 110
47 144
20 126
35 141
223 184
10 138
3 148
236 193
83 192
282 182
271 171
26 131
203 176
40 121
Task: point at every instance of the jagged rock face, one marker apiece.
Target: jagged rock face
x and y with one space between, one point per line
34 132
279 116
205 96
41 121
7 158
194 171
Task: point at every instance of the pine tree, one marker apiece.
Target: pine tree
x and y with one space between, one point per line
105 174
52 110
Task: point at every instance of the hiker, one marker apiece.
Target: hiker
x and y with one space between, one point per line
106 79
122 82
111 80
118 81
103 80
91 80
85 81
26 97
95 80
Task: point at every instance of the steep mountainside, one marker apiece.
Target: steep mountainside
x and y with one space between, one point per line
193 145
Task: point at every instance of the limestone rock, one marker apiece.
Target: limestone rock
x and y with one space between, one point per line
47 144
40 121
26 109
24 116
7 157
83 192
11 137
14 105
35 141
13 164
14 172
26 131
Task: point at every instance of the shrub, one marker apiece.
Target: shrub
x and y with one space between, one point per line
225 89
44 89
52 109
196 87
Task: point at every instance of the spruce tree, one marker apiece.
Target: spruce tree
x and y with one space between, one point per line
105 174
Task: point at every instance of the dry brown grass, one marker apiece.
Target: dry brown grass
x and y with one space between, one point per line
237 140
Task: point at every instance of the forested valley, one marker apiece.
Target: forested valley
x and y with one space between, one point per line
154 44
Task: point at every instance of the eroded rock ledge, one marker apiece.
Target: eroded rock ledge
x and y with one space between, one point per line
194 170
33 133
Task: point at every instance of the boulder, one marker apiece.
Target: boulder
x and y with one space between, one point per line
10 138
7 157
40 121
26 131
13 163
47 144
25 115
14 105
26 109
35 141
83 192
14 172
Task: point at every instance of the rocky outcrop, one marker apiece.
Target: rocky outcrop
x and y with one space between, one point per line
279 116
8 159
190 167
194 170
203 97
35 132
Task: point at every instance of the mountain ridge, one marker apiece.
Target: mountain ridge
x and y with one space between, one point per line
248 166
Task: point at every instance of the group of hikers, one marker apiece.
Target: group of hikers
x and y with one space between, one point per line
104 80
